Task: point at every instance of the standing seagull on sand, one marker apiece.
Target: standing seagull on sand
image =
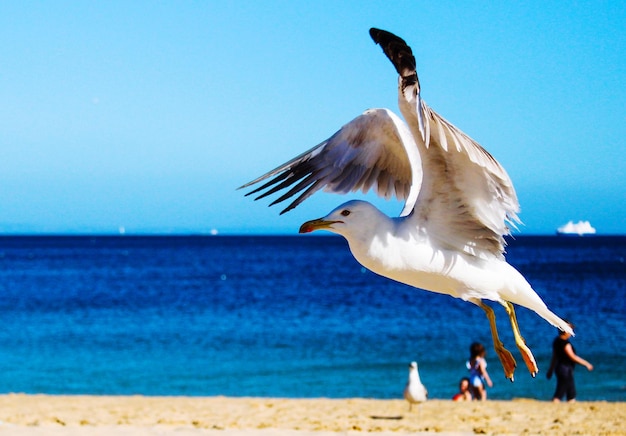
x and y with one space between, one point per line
414 391
449 237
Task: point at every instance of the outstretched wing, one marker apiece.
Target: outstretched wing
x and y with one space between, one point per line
466 198
374 150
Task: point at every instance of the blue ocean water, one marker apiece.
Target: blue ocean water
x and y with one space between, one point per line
283 317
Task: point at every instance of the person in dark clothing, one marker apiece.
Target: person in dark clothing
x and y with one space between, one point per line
564 359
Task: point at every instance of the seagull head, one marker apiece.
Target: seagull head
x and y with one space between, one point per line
353 219
413 373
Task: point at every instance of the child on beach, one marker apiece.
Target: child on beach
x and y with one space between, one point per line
477 366
464 393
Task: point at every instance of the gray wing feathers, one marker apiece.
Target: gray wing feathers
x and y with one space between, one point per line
466 198
370 152
455 188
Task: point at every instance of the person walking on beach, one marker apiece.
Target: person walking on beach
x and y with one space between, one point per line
564 360
477 366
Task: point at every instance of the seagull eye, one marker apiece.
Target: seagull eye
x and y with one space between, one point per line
345 212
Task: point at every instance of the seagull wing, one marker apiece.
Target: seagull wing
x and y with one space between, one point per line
466 198
374 150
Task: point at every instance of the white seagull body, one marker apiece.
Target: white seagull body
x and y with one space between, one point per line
414 391
449 237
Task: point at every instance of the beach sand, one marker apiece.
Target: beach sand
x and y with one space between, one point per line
30 415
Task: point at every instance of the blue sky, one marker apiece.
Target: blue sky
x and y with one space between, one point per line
149 115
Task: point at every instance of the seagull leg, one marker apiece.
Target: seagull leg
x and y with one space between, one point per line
505 356
527 355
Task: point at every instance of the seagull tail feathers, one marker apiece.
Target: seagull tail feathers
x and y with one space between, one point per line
553 319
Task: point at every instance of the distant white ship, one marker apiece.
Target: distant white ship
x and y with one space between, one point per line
580 228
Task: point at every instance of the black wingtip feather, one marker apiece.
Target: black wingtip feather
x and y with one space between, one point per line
383 37
306 194
397 50
303 184
273 181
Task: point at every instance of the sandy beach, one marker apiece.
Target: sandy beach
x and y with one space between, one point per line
23 415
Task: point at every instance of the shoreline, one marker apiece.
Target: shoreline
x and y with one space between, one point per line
91 415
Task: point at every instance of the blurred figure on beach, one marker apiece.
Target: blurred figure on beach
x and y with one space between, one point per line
464 393
564 360
479 376
414 391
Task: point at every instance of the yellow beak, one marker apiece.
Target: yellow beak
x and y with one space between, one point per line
318 224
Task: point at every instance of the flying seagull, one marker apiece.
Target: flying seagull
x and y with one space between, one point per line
459 201
414 391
